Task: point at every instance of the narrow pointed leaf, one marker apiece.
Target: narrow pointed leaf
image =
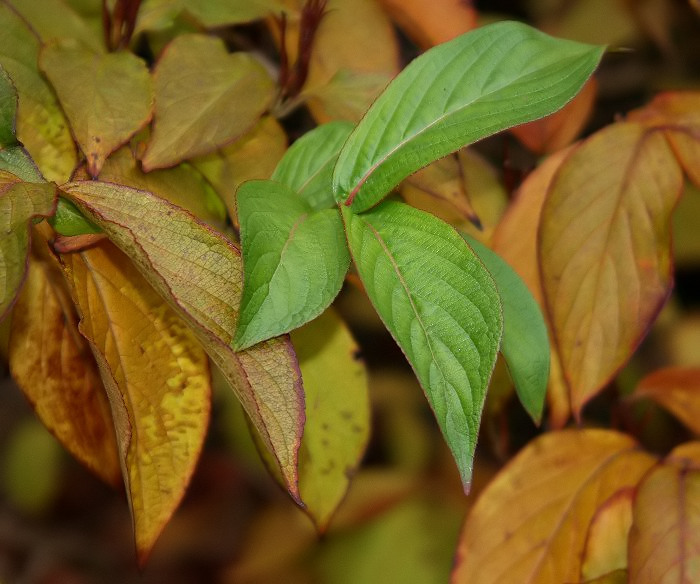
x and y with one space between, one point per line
41 126
107 97
69 221
17 161
530 524
205 98
52 364
525 344
457 93
199 273
157 378
20 202
337 414
605 250
665 535
442 307
307 166
294 261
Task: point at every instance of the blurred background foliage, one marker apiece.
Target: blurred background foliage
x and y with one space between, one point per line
401 518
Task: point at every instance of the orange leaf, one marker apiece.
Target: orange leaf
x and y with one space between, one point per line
52 364
199 272
515 239
530 524
157 380
676 389
664 542
605 250
432 23
562 127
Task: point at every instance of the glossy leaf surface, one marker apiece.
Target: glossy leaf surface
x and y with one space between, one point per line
294 261
605 250
442 307
106 97
337 414
199 272
157 379
205 98
20 202
307 166
457 93
531 522
525 344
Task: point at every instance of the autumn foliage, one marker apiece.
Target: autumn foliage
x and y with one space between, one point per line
229 228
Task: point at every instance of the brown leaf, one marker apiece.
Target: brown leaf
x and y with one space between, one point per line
515 239
676 389
530 524
199 272
562 127
432 23
53 366
157 380
20 202
605 250
664 542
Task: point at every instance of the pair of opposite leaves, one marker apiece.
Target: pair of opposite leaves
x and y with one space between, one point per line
435 293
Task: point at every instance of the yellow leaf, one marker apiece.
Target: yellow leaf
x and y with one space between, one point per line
20 202
199 272
530 524
432 23
253 156
515 239
606 543
676 389
41 126
106 97
205 99
664 542
605 250
157 380
53 366
337 413
558 130
462 189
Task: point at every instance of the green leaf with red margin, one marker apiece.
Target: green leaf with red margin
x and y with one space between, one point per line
604 250
198 271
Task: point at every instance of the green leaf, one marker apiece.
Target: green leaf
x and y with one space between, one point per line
41 126
337 413
525 344
307 166
440 304
107 97
294 261
69 221
478 84
205 98
8 110
20 203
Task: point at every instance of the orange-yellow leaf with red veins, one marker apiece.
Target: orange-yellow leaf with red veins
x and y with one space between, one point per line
605 250
157 379
678 390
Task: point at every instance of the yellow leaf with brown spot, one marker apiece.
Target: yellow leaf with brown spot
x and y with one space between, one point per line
515 240
606 543
605 250
559 129
157 379
337 414
20 202
678 390
530 524
432 23
199 272
52 364
664 542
